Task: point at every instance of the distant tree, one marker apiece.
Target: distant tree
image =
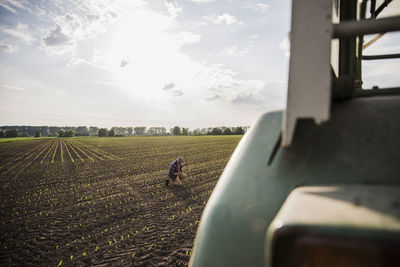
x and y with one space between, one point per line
197 132
82 131
61 133
216 131
152 131
12 133
111 132
53 130
2 134
119 131
37 134
44 130
68 133
185 131
122 131
140 130
156 131
163 131
23 135
102 132
130 131
93 130
176 130
238 130
227 131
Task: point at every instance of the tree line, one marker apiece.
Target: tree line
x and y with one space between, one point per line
69 131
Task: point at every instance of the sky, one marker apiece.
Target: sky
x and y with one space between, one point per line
192 63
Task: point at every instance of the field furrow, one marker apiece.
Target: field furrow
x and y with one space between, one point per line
73 149
81 151
88 151
55 150
61 151
20 160
46 146
21 155
69 154
49 149
100 152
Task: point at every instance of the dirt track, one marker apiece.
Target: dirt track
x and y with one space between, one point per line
104 202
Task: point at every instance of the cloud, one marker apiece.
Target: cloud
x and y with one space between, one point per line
185 38
271 95
124 62
177 93
235 51
56 37
28 6
8 47
75 21
92 17
14 87
249 98
225 18
257 7
256 93
169 86
21 32
285 46
173 8
201 1
12 10
213 98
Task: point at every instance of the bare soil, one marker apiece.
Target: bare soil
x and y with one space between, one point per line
109 206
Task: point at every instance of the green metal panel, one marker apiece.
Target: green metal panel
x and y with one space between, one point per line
359 145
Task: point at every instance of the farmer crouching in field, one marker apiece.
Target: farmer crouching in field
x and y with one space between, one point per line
175 174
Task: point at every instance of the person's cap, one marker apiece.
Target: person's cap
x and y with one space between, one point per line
180 159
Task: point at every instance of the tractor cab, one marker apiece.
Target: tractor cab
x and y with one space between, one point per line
317 184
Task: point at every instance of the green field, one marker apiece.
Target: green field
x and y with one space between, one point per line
86 201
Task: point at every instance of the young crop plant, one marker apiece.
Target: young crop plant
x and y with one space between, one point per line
55 150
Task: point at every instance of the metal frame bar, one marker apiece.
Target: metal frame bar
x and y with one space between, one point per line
370 26
376 38
348 45
381 7
372 8
374 57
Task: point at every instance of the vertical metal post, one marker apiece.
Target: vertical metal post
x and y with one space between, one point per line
348 45
363 10
372 8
